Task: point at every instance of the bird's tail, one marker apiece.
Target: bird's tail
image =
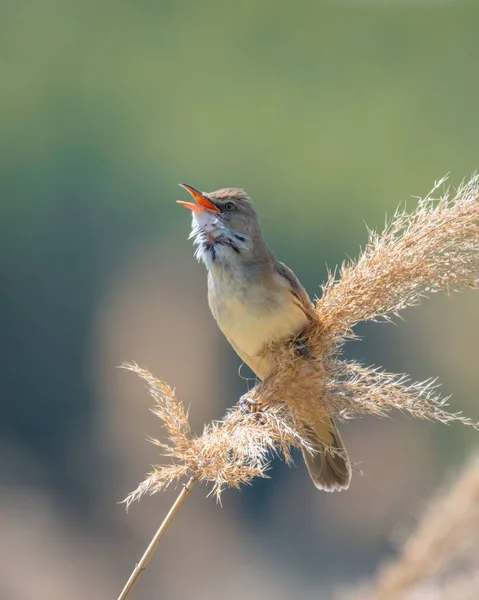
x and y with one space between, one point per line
329 465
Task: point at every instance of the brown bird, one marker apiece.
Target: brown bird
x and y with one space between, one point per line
257 300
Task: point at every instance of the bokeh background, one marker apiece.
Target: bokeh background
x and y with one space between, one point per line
329 114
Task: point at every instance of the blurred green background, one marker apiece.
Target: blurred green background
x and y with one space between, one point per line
329 114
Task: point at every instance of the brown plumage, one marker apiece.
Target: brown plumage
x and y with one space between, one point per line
256 301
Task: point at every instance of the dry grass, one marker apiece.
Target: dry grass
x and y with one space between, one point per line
434 248
448 530
230 452
463 586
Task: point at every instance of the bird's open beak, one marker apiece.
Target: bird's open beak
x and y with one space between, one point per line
203 202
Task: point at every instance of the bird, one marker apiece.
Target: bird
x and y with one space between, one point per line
256 301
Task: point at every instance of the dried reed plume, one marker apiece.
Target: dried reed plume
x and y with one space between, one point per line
447 530
434 248
230 452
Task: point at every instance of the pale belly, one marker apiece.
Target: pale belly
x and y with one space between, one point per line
250 326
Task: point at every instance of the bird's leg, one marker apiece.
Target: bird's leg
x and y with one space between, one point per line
302 349
248 405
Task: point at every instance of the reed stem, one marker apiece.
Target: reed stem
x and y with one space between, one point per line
145 559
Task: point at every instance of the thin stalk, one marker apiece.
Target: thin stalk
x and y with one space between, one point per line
145 559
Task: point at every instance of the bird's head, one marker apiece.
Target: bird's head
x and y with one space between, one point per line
225 226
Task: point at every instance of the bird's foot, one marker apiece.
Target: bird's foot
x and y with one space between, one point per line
303 349
248 405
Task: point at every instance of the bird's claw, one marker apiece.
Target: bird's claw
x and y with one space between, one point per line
248 405
303 349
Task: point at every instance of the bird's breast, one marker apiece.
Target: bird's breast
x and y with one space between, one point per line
255 317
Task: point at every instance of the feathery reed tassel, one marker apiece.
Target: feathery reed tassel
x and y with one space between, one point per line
434 248
449 525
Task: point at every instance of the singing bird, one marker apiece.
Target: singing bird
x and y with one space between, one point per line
257 300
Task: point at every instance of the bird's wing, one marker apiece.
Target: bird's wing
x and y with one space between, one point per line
300 295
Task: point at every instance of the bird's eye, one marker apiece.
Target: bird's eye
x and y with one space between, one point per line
229 206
